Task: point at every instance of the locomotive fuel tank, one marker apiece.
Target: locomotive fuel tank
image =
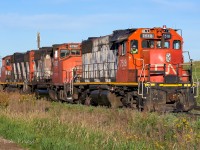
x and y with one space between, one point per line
41 93
105 98
101 95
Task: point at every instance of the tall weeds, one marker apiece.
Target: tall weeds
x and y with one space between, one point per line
40 124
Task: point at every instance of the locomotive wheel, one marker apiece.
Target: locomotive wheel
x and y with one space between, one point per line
140 104
182 105
1 88
115 101
26 89
147 107
88 101
130 100
10 89
53 95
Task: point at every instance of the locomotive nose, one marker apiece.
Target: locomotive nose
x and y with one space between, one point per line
163 64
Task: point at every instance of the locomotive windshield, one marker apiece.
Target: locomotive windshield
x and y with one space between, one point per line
148 44
75 52
64 53
155 44
159 44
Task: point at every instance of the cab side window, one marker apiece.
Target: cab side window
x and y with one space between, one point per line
8 62
123 48
176 44
134 46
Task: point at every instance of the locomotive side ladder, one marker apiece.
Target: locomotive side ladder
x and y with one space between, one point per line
195 79
141 80
76 75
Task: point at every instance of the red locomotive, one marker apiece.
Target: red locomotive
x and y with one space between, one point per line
139 68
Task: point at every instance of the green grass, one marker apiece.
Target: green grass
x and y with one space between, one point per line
46 134
45 125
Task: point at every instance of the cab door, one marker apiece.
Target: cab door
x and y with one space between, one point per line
55 78
122 71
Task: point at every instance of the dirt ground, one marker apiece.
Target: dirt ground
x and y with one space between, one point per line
8 145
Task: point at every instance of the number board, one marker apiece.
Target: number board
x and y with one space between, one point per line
147 35
167 35
73 46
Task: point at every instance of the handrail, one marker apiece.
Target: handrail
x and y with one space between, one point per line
71 83
197 82
139 84
188 54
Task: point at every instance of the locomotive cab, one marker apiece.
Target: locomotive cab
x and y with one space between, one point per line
152 55
163 80
6 69
163 56
66 57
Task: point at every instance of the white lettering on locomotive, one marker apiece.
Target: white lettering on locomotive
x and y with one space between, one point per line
73 46
123 63
169 67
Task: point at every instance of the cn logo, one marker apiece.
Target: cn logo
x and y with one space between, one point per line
169 68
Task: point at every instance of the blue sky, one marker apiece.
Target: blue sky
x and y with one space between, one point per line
61 21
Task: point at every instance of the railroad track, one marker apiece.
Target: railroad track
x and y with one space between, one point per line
195 112
197 108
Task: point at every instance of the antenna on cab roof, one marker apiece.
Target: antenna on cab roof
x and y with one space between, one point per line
38 40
